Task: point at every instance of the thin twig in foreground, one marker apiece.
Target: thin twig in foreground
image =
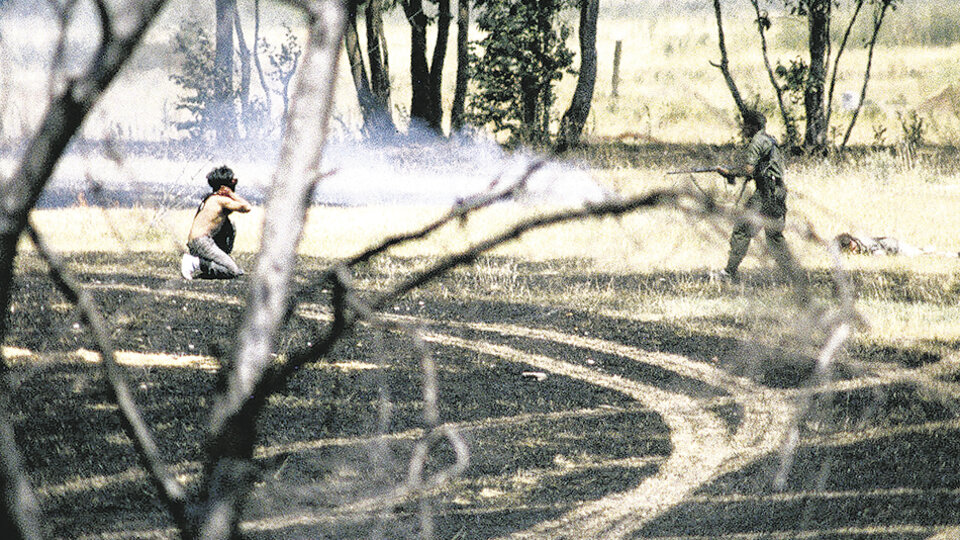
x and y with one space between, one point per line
171 491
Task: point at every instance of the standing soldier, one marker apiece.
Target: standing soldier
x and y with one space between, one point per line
762 163
211 236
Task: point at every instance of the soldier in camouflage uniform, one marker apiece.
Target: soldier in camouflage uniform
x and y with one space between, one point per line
762 163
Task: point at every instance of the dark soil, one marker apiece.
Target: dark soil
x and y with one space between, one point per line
539 448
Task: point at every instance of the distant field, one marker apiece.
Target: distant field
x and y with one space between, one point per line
669 91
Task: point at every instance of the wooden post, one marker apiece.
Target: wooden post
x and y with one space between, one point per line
616 68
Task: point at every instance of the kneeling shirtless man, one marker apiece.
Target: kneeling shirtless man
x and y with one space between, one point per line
211 236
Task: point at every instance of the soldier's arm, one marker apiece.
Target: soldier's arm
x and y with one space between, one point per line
730 173
747 163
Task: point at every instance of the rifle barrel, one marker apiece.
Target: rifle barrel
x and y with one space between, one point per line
694 171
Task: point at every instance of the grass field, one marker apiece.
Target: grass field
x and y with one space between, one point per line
663 408
605 386
669 90
662 411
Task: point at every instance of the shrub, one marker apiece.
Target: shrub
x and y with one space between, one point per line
524 54
195 50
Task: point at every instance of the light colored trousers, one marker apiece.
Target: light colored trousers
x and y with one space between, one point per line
215 263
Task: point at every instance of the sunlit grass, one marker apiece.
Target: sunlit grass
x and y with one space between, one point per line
905 299
668 91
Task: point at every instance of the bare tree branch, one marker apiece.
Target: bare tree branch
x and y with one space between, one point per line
63 14
877 23
171 491
256 58
836 61
231 430
341 325
792 135
19 194
460 211
609 208
724 64
63 118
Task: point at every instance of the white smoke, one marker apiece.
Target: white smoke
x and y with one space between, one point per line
445 172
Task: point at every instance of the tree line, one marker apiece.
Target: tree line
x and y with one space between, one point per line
513 69
506 74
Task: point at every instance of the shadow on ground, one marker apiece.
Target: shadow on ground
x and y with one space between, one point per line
538 448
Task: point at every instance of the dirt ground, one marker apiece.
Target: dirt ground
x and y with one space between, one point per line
579 425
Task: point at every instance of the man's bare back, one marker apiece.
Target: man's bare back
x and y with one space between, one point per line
214 211
210 240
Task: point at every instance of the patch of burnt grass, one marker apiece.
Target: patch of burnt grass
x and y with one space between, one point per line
612 364
778 367
914 357
539 447
473 387
80 460
882 407
877 484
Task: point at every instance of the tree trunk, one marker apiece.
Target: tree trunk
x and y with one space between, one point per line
877 23
225 118
231 427
379 70
256 59
836 60
419 70
463 66
724 64
435 120
815 138
244 54
351 43
792 137
571 125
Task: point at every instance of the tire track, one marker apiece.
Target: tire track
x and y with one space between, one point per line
699 440
703 448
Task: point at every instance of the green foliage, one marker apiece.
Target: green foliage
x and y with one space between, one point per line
793 80
913 129
194 48
283 59
283 62
515 66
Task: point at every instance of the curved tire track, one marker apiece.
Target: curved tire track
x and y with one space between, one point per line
703 448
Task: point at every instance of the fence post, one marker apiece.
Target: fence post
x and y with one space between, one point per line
616 68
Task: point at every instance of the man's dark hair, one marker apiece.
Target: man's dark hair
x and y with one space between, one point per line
221 176
754 118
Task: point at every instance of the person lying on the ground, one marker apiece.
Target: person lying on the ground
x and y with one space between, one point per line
882 245
211 236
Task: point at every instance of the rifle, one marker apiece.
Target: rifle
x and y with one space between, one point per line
695 171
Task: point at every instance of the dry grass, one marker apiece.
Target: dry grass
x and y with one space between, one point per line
669 91
906 299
